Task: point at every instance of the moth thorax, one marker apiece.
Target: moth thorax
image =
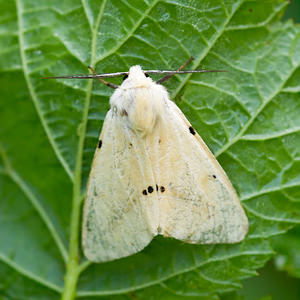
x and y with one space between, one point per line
143 112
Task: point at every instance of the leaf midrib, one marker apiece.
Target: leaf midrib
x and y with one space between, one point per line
73 268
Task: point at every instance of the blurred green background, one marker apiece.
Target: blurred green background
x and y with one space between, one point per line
272 284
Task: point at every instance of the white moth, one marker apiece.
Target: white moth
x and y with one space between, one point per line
153 174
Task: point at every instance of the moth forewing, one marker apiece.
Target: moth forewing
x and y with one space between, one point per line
199 205
152 174
119 219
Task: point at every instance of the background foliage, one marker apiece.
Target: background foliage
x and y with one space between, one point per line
248 116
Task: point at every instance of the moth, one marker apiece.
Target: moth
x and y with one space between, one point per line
153 174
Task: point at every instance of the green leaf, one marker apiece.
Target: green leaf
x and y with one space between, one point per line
248 116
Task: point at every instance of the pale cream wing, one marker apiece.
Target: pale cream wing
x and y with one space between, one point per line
197 201
121 206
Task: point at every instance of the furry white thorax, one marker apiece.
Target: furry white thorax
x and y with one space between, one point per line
141 100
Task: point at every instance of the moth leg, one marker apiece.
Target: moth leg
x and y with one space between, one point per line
111 85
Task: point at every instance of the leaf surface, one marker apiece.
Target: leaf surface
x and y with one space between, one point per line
248 116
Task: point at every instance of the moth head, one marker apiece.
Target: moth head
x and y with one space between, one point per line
136 78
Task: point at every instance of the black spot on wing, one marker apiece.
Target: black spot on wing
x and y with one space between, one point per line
150 189
214 176
192 130
100 144
125 77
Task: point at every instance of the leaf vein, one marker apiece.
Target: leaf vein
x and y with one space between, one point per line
129 34
264 137
30 275
32 91
254 116
206 51
213 260
18 180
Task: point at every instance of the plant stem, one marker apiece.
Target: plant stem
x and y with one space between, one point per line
71 280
